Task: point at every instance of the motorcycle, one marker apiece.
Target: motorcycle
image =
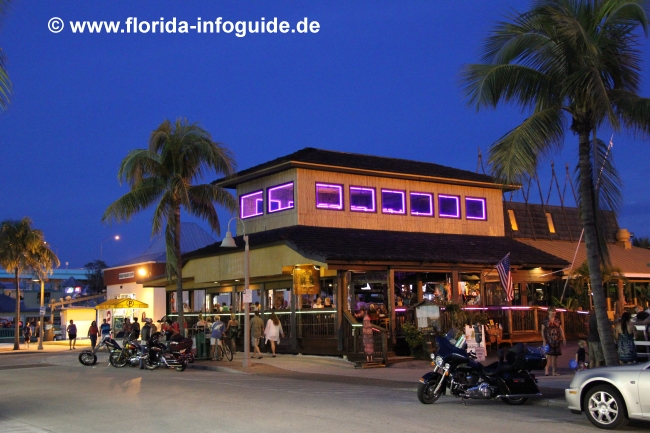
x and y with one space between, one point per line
509 379
131 354
177 354
89 357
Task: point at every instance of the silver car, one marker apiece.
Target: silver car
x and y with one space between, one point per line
611 395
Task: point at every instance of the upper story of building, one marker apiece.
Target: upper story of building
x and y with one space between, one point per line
314 187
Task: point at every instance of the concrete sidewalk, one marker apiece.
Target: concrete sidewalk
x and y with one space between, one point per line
48 346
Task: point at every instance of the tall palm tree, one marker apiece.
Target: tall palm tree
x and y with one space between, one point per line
23 248
179 155
575 66
5 83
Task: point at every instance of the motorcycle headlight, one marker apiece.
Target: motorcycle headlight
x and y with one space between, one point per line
439 361
433 356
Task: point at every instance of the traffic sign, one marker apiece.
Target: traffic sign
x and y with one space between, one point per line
42 311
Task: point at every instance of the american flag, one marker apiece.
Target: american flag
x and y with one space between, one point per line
503 268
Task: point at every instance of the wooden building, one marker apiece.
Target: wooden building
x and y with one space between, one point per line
349 229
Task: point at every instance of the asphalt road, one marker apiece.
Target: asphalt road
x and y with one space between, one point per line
54 393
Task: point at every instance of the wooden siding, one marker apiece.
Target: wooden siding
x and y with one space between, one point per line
276 220
309 215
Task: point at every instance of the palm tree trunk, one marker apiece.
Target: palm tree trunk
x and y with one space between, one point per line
179 269
17 319
587 200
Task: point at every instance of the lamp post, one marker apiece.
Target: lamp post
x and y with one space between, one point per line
41 312
101 246
229 242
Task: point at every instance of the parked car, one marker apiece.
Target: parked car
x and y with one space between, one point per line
610 396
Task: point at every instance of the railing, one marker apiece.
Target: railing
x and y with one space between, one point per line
7 333
353 339
576 324
523 320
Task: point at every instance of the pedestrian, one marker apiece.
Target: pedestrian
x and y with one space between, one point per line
553 336
224 308
215 338
126 328
27 334
368 341
105 329
135 329
72 334
581 355
92 334
596 357
257 332
625 335
273 332
232 331
146 330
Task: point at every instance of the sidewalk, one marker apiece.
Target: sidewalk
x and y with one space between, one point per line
48 346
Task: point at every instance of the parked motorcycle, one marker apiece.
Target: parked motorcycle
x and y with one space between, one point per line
131 354
89 357
175 355
509 379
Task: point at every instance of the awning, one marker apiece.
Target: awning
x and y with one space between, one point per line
112 304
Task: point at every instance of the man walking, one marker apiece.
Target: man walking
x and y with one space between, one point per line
72 334
105 329
257 331
593 341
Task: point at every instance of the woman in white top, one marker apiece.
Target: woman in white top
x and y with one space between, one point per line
273 331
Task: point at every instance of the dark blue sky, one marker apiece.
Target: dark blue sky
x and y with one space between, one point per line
380 77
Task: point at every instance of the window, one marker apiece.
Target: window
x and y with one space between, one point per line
421 204
449 206
362 199
475 208
280 197
251 205
329 196
549 220
513 220
393 201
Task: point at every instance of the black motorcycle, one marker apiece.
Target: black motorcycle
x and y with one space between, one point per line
89 357
176 354
509 379
131 354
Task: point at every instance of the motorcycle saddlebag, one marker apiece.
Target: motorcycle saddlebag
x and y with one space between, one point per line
534 360
179 346
518 383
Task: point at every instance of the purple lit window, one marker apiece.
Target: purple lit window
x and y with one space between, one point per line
280 197
393 201
421 204
329 196
362 199
475 208
251 204
449 206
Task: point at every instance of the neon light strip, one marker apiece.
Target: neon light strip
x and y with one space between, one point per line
453 197
389 210
338 206
430 197
362 208
483 215
246 196
289 202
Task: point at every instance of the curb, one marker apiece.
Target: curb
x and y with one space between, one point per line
215 368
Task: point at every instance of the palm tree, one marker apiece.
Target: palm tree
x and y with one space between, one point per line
179 154
641 242
575 66
5 83
23 248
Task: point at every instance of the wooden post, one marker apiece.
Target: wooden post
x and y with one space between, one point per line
419 287
536 318
455 297
294 330
341 289
510 323
391 302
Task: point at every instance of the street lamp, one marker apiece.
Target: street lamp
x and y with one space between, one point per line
101 246
41 312
229 242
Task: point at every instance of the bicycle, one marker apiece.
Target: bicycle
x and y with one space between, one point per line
226 351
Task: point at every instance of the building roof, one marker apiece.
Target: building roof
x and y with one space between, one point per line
356 246
329 160
532 222
8 305
634 262
193 237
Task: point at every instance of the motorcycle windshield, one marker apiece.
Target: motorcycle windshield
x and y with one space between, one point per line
446 349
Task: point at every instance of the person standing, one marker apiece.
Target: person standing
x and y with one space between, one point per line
625 334
105 329
215 338
273 332
72 334
257 331
596 355
368 342
92 334
135 329
27 334
146 330
232 331
553 335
